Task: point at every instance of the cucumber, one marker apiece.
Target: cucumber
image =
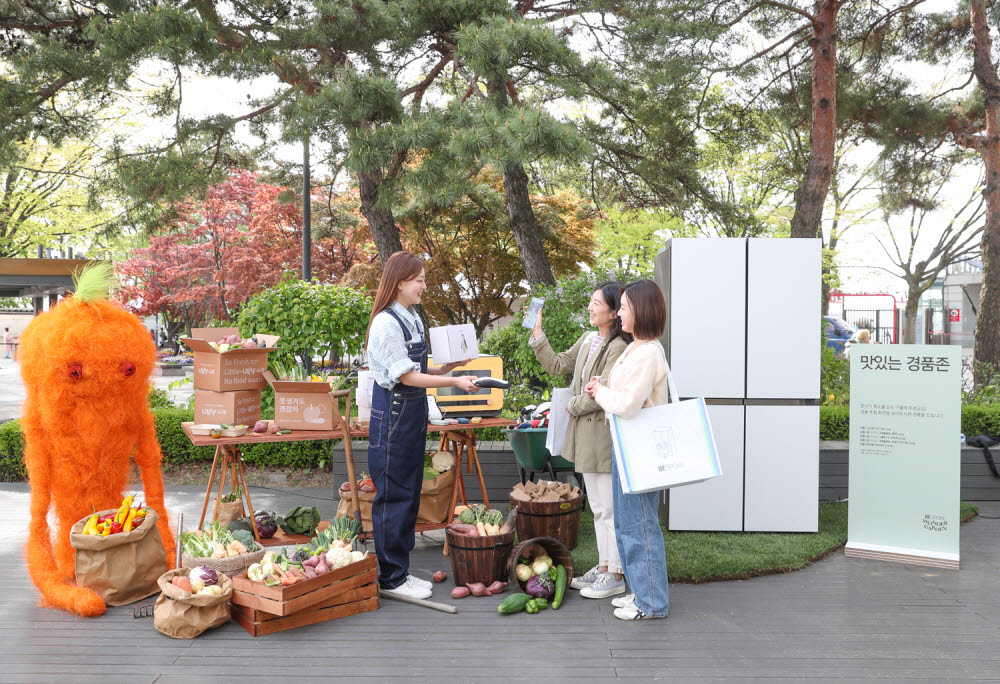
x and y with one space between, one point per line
557 598
513 604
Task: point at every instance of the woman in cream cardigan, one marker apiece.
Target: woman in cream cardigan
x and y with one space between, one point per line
638 380
588 440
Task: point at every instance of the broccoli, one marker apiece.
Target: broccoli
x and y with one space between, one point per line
467 516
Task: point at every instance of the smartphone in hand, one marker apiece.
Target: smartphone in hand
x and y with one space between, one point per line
531 315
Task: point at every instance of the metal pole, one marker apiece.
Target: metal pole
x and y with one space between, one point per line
306 228
306 214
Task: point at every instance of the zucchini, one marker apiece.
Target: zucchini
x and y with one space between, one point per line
557 598
514 603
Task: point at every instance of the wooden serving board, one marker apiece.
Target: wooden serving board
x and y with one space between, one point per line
291 599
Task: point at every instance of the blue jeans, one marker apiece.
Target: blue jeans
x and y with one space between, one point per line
640 543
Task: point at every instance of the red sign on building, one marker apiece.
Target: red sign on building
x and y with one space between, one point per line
954 315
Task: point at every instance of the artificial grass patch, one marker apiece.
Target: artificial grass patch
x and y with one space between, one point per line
694 557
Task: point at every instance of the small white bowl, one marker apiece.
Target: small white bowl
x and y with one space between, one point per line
203 429
236 431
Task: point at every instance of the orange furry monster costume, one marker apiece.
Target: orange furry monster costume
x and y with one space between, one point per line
86 365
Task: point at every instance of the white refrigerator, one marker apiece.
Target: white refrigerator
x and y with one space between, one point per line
743 331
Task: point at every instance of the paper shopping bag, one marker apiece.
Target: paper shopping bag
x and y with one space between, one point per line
555 438
665 446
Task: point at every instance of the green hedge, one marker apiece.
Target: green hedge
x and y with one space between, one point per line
833 425
177 448
11 452
834 421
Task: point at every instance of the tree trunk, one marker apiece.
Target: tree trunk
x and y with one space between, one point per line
987 346
525 227
811 193
385 232
523 223
912 306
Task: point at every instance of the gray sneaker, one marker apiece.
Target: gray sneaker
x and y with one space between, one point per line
604 586
587 579
623 601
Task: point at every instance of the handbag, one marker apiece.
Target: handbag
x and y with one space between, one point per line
665 446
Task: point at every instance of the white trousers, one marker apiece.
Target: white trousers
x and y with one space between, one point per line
601 498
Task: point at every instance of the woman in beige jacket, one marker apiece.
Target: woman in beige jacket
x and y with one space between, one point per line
588 439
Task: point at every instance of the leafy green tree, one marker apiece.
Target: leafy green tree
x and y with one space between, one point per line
330 320
44 199
629 240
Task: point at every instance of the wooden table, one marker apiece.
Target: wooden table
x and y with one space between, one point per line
458 439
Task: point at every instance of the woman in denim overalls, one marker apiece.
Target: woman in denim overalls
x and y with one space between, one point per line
397 433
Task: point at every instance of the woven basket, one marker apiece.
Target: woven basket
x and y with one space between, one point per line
233 567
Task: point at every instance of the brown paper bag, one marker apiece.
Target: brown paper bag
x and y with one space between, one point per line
181 615
435 499
122 568
365 499
229 511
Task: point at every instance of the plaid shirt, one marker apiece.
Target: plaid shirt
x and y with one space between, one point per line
388 357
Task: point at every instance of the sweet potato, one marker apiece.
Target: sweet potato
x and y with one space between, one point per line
439 576
477 588
460 592
497 587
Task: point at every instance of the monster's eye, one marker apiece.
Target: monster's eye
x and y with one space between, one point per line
127 368
75 371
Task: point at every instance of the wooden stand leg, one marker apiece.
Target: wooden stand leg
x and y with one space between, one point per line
474 458
222 483
208 489
246 491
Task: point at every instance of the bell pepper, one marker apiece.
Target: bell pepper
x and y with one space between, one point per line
541 603
531 607
91 525
123 509
129 520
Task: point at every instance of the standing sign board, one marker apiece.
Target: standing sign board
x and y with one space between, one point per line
905 460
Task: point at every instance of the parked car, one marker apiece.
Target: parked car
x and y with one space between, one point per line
837 332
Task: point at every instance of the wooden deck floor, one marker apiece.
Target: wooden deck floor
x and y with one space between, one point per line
842 619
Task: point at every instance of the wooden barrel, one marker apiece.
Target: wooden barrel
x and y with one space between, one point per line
479 559
558 519
531 549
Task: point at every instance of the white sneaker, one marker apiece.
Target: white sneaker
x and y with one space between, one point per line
623 601
409 590
586 579
606 585
632 612
419 582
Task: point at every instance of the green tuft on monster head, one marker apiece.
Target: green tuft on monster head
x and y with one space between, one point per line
94 281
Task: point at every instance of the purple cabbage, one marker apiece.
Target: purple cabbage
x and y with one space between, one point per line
540 586
266 524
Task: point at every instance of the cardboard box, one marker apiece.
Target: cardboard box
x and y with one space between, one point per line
241 407
304 405
237 369
454 343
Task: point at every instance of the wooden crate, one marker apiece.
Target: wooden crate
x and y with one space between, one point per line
353 602
297 597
